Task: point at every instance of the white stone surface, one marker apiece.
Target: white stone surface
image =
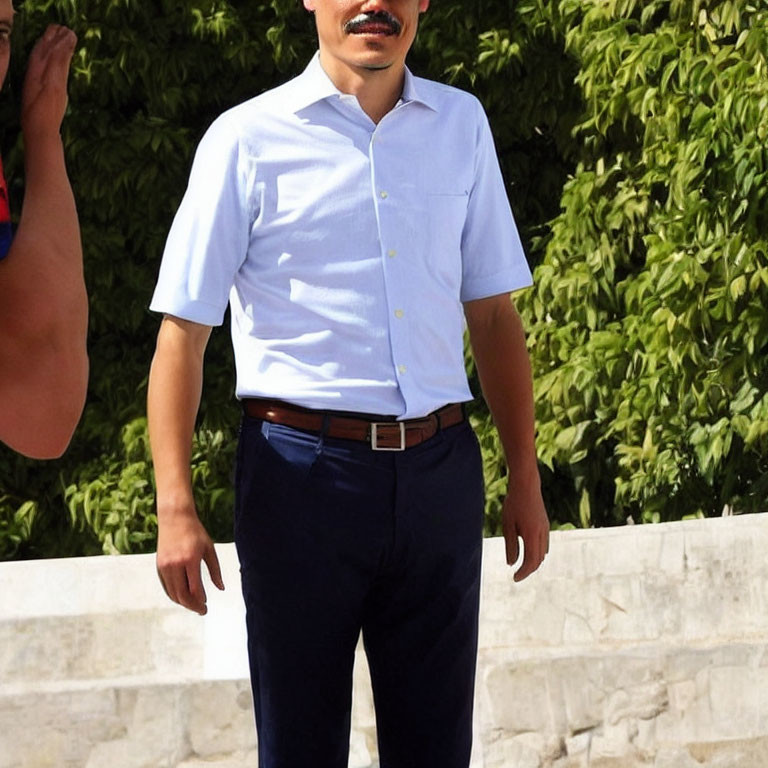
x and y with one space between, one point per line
636 647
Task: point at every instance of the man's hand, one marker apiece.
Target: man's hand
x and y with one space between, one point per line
44 97
524 517
182 546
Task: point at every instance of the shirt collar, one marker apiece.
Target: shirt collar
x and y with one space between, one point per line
411 92
314 85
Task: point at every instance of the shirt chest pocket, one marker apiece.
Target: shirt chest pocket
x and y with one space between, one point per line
446 215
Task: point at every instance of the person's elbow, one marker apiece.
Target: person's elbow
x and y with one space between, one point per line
69 401
51 443
40 420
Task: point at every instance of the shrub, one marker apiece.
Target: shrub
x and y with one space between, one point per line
632 137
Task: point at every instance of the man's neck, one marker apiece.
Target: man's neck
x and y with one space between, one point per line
377 90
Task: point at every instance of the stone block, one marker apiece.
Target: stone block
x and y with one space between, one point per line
688 717
582 696
717 605
605 761
613 742
92 647
518 698
645 701
221 718
620 609
684 663
665 550
507 751
525 614
565 561
660 605
237 760
177 643
676 757
56 728
578 745
645 740
618 552
736 695
359 753
705 548
578 628
363 712
733 753
156 731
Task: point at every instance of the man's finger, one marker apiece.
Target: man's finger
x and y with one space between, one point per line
58 57
169 579
532 558
512 543
195 597
50 32
53 50
42 47
162 582
212 561
63 45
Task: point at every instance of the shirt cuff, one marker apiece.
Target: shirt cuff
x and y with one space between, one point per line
493 285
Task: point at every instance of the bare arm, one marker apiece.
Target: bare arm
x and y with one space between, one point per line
175 386
43 303
498 346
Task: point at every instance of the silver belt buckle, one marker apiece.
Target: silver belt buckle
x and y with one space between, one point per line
375 435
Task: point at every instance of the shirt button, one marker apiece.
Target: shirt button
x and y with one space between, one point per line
392 253
383 195
401 369
399 313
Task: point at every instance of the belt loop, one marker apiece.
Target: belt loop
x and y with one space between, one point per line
265 425
323 432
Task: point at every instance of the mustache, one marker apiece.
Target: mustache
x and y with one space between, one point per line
381 17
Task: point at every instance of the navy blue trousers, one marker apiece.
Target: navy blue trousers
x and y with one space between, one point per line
334 539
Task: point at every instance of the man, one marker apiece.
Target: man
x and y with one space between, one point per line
43 303
347 216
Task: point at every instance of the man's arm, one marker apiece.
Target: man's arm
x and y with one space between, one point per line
498 346
43 302
175 386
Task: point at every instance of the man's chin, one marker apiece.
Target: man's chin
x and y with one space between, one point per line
373 61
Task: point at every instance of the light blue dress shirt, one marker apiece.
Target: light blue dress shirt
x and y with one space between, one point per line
344 248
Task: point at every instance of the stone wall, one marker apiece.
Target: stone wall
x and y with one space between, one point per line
631 648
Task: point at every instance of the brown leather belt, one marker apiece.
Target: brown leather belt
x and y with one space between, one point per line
380 435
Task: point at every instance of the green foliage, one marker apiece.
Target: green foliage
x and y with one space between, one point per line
648 320
632 136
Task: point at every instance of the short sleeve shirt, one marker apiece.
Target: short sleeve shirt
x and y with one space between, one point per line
344 248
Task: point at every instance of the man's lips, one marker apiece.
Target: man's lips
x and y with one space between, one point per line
377 23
